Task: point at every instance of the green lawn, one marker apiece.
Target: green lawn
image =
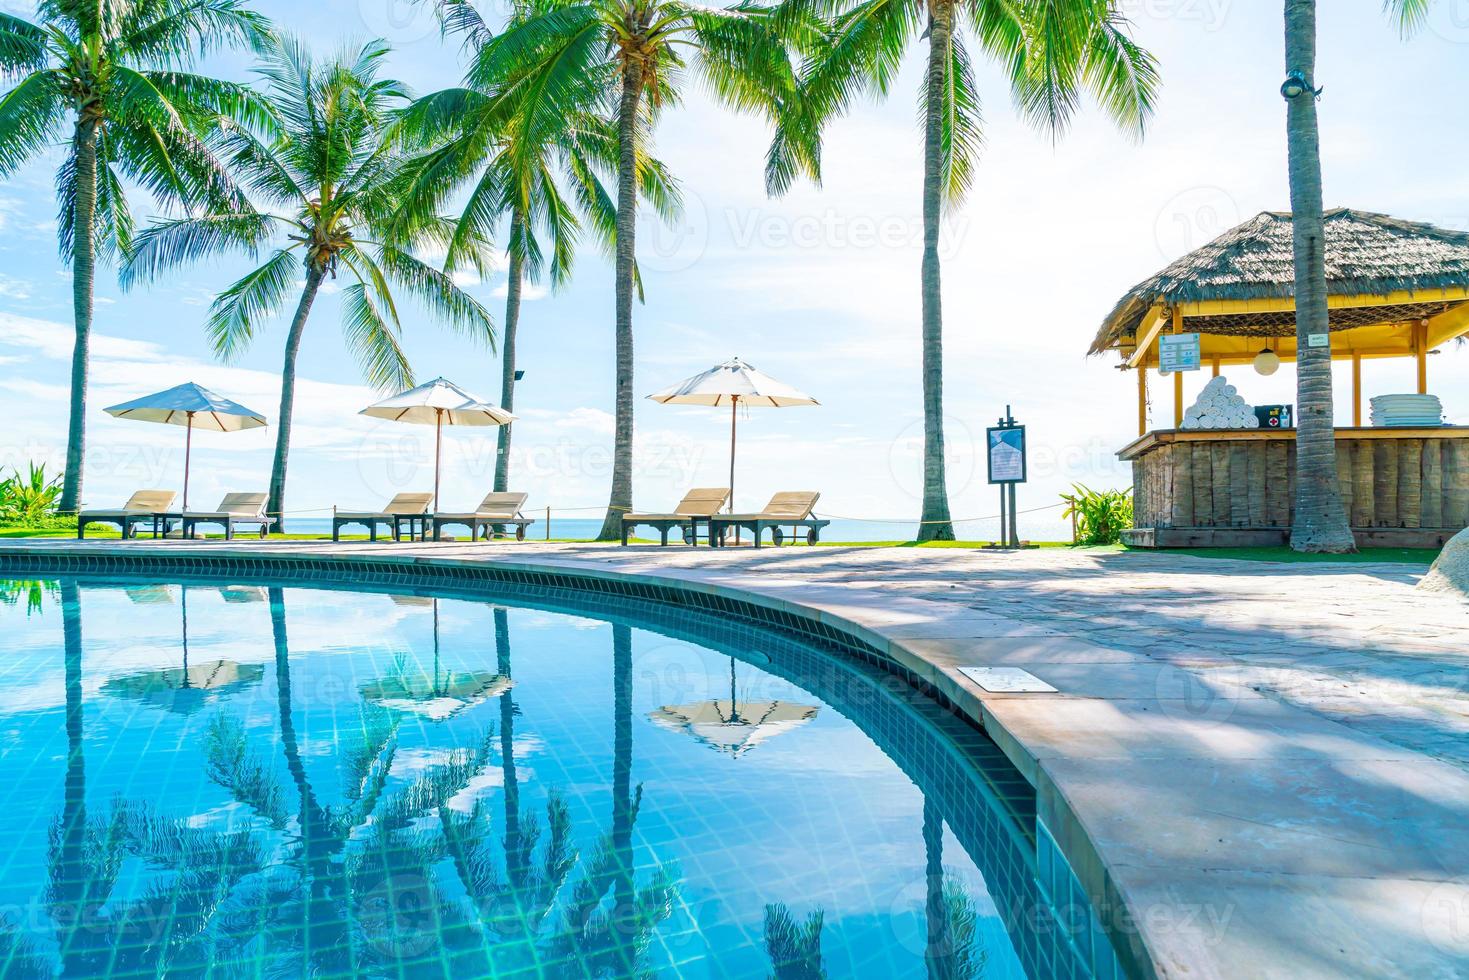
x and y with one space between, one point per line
1410 556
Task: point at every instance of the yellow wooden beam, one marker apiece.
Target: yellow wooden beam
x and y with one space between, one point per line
1357 390
1448 325
1152 324
1402 297
1422 353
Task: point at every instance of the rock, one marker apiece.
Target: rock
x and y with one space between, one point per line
1450 571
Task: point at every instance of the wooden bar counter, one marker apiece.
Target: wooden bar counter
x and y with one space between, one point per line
1402 487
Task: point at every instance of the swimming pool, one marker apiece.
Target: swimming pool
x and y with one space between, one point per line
267 780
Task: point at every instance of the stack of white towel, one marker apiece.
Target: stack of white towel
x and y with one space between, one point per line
1410 410
1220 407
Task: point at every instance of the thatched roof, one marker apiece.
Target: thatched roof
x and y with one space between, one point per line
1367 254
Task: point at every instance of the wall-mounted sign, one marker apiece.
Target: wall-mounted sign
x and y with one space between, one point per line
1006 454
1178 352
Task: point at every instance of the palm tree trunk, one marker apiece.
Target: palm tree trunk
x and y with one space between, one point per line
1320 521
627 203
935 524
276 505
507 348
83 270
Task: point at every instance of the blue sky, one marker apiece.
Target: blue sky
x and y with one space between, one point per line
819 288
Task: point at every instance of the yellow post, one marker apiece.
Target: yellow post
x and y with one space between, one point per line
1142 399
1177 375
1357 390
1421 333
1216 367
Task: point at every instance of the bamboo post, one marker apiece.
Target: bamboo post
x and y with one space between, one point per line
1420 333
1357 390
548 522
1216 367
1177 375
1142 399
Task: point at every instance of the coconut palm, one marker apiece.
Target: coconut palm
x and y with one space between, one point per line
107 79
536 156
631 55
1050 52
331 174
1319 523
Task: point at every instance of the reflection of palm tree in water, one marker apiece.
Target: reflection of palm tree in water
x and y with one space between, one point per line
951 951
366 869
95 932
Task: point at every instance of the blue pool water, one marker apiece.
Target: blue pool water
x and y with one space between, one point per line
252 780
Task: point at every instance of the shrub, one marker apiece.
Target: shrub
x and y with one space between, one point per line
29 500
1100 516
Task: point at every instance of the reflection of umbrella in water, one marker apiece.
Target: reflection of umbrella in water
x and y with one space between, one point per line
187 688
732 725
436 696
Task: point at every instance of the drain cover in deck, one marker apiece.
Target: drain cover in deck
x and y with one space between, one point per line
1007 680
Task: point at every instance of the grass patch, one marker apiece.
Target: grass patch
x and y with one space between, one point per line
931 544
1280 553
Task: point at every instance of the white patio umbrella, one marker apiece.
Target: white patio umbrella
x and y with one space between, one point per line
194 407
733 383
438 403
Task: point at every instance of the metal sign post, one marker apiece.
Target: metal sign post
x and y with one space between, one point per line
1005 453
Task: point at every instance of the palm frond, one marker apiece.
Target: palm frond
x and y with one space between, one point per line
170 243
236 313
438 294
373 342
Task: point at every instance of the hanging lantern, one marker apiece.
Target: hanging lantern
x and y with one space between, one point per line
1267 362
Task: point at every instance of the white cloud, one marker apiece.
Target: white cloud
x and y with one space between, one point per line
529 292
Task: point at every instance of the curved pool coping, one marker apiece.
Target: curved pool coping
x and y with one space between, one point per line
1134 940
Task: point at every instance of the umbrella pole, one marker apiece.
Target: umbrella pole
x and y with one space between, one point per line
734 404
438 443
188 450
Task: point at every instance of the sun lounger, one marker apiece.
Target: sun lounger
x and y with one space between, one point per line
697 506
785 510
234 509
143 507
405 508
496 509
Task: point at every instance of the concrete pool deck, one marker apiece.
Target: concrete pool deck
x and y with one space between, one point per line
1255 769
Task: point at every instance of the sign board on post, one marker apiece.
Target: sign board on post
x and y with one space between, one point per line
1006 454
1178 352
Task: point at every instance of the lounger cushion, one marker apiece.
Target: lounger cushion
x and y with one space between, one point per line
144 503
789 506
700 502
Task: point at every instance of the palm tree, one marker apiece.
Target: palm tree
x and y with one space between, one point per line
1050 52
1320 520
107 78
631 54
519 142
332 175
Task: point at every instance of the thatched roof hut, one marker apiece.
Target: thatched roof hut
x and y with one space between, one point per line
1398 286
